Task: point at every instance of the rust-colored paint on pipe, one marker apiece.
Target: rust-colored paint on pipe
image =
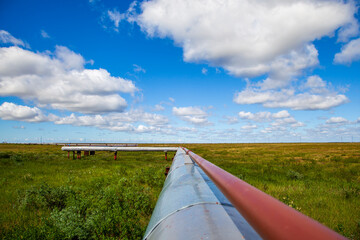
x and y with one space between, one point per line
271 218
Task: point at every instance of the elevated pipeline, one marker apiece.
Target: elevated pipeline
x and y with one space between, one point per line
93 149
191 207
115 149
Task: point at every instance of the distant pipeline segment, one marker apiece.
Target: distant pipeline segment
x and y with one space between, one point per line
92 149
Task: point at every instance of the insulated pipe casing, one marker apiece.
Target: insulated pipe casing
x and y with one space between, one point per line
191 207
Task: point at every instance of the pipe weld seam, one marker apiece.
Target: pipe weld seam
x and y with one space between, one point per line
183 208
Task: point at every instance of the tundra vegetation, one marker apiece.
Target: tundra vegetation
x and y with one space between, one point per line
43 195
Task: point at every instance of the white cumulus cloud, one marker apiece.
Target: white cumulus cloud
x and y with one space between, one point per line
194 115
125 121
281 114
263 116
185 111
132 121
336 120
255 38
277 120
12 111
315 82
349 53
316 95
61 81
249 38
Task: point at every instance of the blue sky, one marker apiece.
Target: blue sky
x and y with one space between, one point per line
179 71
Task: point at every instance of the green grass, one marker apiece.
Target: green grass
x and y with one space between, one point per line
46 196
42 191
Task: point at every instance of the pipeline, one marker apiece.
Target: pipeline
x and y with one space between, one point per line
190 206
115 149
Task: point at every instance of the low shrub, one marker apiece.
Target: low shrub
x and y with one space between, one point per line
291 174
45 196
100 209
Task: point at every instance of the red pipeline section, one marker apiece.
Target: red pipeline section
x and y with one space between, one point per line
268 216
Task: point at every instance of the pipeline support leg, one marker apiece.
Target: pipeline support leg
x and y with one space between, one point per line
115 155
167 170
78 154
73 155
165 155
86 153
68 154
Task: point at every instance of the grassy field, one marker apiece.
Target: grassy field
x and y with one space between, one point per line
45 195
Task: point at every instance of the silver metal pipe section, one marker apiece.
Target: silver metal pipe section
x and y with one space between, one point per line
100 144
117 149
190 206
